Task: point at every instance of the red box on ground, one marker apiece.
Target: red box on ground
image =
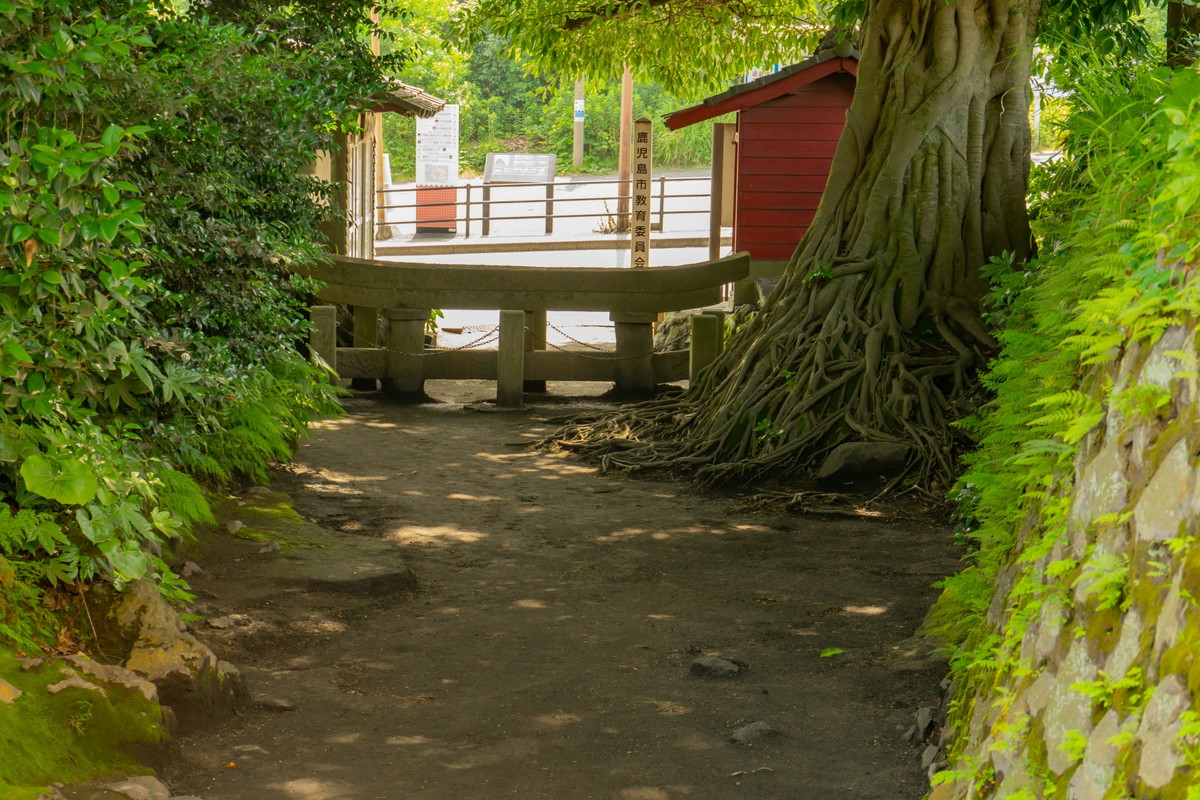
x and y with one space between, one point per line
437 208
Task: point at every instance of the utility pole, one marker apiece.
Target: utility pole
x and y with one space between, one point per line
626 132
577 142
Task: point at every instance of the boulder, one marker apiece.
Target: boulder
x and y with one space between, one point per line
139 627
864 462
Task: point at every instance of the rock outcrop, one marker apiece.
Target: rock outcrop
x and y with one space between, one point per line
143 631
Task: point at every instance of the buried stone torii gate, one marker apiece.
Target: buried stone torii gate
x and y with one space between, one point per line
406 292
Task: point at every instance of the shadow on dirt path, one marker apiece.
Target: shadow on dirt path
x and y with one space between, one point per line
543 650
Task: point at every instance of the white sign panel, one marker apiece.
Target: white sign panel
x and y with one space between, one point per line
437 148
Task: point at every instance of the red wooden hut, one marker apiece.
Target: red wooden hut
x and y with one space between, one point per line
788 124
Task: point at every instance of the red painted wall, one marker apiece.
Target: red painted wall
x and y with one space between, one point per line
784 150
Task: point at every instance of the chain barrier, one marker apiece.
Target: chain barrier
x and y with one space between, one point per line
566 335
491 333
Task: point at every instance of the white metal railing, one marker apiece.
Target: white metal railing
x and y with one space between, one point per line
487 209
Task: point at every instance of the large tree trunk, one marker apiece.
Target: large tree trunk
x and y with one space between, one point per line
875 330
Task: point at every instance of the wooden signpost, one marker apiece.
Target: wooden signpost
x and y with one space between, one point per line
634 331
639 232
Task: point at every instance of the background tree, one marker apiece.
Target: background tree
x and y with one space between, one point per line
1183 29
876 329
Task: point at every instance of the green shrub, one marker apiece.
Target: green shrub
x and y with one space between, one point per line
153 198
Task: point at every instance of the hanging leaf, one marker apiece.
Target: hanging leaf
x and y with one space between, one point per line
66 480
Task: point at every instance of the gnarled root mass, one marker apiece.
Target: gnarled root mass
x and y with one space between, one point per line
794 384
874 334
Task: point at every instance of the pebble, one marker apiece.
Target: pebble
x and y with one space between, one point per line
141 787
191 568
73 682
748 734
276 704
712 667
8 693
234 525
269 547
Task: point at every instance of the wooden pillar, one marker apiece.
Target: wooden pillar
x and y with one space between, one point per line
535 339
405 379
510 360
334 230
720 213
635 346
625 134
322 337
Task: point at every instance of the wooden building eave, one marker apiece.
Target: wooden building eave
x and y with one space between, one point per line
764 89
408 101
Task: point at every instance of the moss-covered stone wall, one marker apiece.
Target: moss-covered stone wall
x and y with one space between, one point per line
1101 702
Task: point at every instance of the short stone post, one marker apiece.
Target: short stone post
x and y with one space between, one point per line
706 343
366 334
720 317
405 380
510 360
322 338
635 347
535 339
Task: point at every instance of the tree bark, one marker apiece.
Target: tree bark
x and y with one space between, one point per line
875 331
1183 28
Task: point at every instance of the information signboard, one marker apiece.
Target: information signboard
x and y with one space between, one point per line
437 148
519 168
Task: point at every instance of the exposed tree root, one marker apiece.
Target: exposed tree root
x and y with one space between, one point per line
874 333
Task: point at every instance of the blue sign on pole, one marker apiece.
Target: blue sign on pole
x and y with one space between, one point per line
579 111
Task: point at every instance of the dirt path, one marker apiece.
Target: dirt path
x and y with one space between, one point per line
546 652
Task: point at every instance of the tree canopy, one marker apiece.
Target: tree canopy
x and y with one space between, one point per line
693 46
685 45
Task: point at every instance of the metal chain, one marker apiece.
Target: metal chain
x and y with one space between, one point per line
563 333
492 334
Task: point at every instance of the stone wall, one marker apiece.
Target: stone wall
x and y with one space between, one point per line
1101 700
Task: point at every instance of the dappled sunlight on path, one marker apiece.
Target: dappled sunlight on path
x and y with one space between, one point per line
546 650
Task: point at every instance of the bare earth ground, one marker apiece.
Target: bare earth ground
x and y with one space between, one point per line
544 650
